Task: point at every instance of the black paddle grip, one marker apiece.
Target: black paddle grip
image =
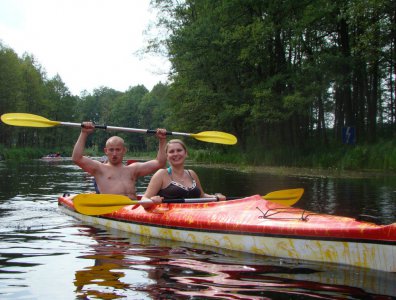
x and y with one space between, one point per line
183 200
101 126
154 131
97 126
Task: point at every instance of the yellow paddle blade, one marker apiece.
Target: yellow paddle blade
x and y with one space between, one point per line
100 204
27 120
215 137
285 197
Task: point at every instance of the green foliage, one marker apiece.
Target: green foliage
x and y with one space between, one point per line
275 62
284 76
356 158
21 154
324 159
216 156
381 156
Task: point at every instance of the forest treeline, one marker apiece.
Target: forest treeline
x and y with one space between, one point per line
286 77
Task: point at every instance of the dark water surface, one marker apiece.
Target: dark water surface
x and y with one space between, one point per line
45 254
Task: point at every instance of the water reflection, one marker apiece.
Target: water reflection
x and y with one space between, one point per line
103 278
351 198
125 265
121 267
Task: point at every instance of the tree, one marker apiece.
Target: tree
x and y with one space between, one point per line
10 89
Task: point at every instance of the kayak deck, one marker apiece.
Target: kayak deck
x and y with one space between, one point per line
257 226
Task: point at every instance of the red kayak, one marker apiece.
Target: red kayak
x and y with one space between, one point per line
258 226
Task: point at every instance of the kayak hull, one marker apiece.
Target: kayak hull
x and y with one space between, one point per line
256 226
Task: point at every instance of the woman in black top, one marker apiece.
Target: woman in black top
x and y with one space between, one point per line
175 182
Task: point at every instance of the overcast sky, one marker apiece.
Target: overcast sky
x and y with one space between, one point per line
89 43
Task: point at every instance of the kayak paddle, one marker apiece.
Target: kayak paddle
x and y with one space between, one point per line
99 204
30 120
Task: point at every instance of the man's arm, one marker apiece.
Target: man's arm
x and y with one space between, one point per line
151 166
78 157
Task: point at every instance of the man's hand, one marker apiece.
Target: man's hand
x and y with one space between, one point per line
161 133
88 127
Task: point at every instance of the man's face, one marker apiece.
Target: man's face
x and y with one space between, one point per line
115 152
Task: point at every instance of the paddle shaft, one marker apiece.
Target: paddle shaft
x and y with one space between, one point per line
196 200
183 200
125 129
215 199
200 200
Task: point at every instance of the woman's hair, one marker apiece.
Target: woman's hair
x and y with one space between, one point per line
174 141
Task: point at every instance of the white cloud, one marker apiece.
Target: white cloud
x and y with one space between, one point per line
89 43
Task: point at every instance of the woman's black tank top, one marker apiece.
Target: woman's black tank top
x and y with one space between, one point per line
175 190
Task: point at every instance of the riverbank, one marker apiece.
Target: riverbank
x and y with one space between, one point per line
328 173
292 171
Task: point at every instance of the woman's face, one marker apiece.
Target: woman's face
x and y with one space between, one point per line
176 154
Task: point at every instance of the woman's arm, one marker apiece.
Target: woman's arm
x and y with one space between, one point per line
153 188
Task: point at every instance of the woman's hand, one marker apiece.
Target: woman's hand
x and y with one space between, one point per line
220 197
157 199
150 202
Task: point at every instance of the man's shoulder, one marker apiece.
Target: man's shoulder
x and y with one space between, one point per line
133 167
134 164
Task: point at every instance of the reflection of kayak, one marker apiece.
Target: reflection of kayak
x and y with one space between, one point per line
256 226
298 281
257 272
51 158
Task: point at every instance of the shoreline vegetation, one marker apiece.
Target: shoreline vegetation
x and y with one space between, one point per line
310 172
366 161
317 93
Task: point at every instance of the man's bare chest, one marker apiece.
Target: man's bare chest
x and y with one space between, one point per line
117 175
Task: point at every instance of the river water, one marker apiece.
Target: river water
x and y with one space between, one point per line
45 254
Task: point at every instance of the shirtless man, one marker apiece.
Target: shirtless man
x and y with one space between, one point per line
113 177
